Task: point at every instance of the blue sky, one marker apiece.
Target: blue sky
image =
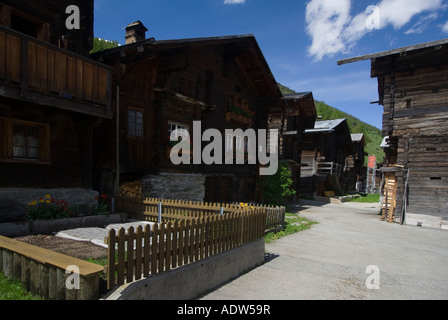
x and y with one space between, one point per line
301 40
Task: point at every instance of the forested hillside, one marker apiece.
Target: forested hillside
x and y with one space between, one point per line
372 134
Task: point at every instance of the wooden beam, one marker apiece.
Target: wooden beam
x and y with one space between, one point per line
394 51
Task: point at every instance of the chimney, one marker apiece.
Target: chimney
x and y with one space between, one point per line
135 32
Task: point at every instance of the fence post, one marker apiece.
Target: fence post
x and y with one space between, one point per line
221 211
159 211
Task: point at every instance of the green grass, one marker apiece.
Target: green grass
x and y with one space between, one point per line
367 198
12 289
293 224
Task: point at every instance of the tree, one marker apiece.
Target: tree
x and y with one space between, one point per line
101 44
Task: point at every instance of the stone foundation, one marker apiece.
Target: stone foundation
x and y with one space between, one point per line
190 187
14 202
426 221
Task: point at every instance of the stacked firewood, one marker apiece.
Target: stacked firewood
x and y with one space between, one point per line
131 190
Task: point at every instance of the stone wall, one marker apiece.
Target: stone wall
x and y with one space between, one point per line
175 186
14 202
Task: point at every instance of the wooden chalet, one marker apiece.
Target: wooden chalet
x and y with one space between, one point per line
52 96
413 89
299 115
324 152
164 85
355 170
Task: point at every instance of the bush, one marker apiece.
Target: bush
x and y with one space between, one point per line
277 188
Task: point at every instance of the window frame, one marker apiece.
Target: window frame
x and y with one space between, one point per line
183 126
135 134
7 141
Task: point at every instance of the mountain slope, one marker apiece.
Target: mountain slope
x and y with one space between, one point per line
372 134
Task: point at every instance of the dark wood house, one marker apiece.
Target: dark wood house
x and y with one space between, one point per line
300 114
413 89
355 169
52 96
324 152
164 85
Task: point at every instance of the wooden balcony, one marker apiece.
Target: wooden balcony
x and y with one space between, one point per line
39 72
230 115
327 168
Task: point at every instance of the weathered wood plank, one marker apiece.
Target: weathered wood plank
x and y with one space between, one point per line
13 58
138 252
111 259
3 71
121 257
42 68
155 246
130 255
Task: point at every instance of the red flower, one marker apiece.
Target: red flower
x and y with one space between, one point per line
104 196
96 197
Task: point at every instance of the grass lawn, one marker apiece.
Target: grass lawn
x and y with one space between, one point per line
12 289
367 198
293 224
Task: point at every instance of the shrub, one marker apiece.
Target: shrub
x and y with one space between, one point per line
277 188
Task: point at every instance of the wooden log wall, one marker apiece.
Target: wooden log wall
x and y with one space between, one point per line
415 98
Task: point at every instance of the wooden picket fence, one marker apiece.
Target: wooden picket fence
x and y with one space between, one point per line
172 210
161 247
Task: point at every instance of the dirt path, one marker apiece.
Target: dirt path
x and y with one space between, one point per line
78 249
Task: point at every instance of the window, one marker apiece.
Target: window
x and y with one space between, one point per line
135 123
229 142
24 141
182 130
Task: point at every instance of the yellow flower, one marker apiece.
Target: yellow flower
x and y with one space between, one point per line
32 203
41 200
47 201
47 196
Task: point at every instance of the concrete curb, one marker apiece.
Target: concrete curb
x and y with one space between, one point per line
192 280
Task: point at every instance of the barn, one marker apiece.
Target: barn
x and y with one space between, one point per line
52 96
160 86
413 89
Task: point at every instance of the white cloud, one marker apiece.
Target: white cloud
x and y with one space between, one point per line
445 27
234 1
333 29
422 24
326 21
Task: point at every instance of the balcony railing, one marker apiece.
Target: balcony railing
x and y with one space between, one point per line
43 73
327 168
